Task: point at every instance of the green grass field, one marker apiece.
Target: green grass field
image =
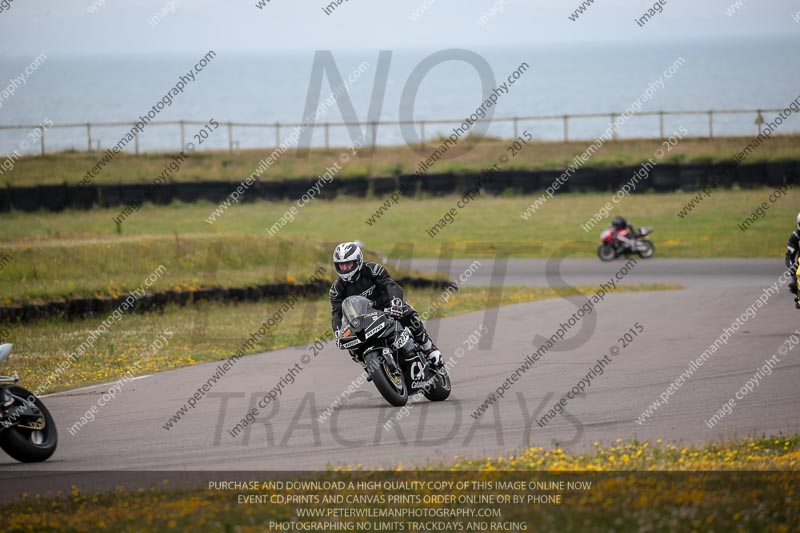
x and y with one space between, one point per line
709 231
54 269
385 161
40 271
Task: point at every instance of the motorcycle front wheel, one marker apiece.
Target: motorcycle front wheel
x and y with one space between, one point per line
646 249
606 252
26 444
391 385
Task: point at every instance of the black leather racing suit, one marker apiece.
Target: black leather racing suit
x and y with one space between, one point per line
375 283
792 252
624 224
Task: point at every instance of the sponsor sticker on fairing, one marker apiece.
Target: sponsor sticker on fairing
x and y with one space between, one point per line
375 330
402 339
350 344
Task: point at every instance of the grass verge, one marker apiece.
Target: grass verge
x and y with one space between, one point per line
385 161
53 270
207 332
731 498
711 230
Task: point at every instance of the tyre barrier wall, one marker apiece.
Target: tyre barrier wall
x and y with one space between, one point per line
77 308
664 178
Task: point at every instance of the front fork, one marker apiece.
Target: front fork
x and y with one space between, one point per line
5 397
386 353
13 416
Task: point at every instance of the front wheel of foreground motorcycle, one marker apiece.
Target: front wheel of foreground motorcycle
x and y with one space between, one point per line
606 252
34 439
646 249
389 383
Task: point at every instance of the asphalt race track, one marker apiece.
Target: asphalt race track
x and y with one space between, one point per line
677 327
689 273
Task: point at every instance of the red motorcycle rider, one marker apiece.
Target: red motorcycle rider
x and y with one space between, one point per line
620 238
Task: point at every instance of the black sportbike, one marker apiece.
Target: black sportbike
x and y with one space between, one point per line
393 360
27 431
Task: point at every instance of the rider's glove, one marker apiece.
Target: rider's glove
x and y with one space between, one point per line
396 309
340 343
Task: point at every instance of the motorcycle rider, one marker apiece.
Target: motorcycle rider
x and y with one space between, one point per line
371 280
620 224
792 252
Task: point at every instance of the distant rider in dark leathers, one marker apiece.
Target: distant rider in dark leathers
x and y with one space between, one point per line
619 224
792 251
371 280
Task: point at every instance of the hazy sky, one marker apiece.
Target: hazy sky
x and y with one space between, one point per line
121 26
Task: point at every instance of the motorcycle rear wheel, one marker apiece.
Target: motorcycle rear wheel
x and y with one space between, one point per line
441 391
30 445
392 387
606 252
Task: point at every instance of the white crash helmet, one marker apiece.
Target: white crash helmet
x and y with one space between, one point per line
798 221
348 260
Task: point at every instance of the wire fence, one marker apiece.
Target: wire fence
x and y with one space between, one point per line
238 135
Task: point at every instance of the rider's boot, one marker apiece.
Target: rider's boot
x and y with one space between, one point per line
432 353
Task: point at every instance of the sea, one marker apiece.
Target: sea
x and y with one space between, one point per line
253 92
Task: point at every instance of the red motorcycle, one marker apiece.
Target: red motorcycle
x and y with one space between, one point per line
623 242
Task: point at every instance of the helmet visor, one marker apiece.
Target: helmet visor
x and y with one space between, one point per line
345 267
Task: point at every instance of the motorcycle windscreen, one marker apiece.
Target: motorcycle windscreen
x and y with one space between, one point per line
354 308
